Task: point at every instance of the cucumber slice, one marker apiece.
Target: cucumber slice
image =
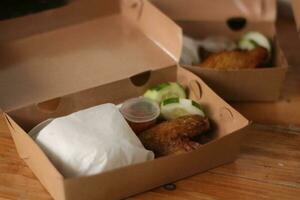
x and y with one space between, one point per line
164 91
173 108
247 45
254 39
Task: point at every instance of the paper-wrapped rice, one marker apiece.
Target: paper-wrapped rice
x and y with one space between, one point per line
189 53
91 141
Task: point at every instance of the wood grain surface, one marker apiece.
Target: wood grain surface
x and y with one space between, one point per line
267 168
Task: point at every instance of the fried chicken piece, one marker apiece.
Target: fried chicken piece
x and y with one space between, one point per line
236 59
174 136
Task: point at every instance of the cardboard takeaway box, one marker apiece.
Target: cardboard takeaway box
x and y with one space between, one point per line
296 12
92 52
201 19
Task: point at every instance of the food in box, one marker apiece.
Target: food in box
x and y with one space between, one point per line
50 70
234 20
98 139
222 144
253 50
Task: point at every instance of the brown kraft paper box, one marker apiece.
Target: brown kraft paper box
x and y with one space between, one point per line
92 52
200 19
296 12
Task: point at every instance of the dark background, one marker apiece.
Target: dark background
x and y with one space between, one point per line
16 8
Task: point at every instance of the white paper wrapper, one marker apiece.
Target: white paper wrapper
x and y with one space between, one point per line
215 44
189 54
90 141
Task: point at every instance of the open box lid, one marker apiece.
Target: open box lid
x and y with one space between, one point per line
296 9
218 10
81 45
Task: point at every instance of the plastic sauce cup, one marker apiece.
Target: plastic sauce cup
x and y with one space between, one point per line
141 113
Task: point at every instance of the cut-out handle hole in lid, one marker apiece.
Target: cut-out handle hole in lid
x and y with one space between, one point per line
134 5
237 23
49 106
140 79
195 90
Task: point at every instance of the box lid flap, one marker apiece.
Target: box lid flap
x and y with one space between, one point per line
296 9
218 10
51 54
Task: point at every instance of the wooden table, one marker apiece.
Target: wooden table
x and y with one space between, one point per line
267 168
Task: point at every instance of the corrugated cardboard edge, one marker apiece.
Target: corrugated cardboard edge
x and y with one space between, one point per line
296 9
40 165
